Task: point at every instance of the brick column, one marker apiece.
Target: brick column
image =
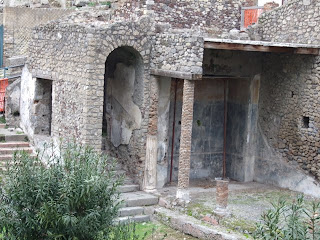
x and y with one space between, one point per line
185 140
150 173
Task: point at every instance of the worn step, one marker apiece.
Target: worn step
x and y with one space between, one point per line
16 137
130 211
128 181
14 144
134 199
2 126
7 157
129 188
4 151
138 218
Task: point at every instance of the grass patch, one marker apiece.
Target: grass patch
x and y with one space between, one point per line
159 231
92 4
106 4
239 225
2 120
198 210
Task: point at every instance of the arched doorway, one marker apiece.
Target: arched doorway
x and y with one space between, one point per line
123 99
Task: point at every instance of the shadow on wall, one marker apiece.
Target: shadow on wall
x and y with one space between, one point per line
123 96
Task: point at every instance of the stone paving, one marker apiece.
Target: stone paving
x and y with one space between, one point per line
247 201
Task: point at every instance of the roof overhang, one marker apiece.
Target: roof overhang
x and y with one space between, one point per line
261 46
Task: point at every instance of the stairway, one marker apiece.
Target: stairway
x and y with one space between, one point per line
9 143
134 202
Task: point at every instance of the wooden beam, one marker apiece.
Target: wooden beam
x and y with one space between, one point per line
260 48
176 74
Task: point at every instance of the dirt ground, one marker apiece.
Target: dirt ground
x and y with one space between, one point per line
246 202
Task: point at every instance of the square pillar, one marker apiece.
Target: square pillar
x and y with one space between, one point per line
185 141
150 173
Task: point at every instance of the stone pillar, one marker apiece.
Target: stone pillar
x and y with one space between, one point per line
222 194
185 140
150 174
249 150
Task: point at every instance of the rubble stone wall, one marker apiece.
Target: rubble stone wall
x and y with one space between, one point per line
289 109
295 22
212 17
78 76
52 58
18 23
178 52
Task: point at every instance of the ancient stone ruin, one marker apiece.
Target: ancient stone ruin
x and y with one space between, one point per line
161 86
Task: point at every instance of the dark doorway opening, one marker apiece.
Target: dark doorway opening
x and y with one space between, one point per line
43 107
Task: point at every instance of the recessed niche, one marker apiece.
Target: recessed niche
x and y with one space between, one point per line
305 122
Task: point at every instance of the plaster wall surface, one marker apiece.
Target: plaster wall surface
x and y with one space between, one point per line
237 120
125 114
13 93
26 101
231 63
163 130
208 128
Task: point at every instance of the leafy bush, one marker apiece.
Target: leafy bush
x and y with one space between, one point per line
290 221
2 119
73 198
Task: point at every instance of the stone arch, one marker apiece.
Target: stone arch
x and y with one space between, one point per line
123 96
99 51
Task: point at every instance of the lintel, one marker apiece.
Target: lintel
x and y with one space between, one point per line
176 74
260 46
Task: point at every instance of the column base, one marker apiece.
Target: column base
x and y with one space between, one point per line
222 212
183 194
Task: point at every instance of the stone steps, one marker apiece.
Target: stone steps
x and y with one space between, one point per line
14 144
140 198
16 138
6 151
129 188
137 219
130 211
134 201
2 126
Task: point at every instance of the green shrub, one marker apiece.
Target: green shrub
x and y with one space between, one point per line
76 198
2 119
290 221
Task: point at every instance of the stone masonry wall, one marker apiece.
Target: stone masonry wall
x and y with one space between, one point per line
78 76
212 17
289 108
295 22
52 58
178 52
18 23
